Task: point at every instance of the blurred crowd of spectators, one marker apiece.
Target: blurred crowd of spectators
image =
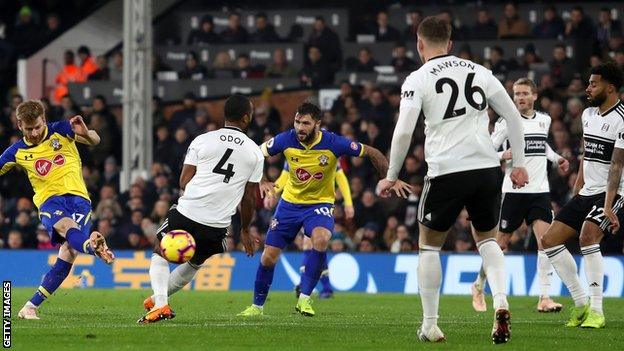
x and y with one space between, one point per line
365 113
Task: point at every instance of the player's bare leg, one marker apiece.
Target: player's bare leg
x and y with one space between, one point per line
544 271
429 280
494 266
52 280
314 267
591 235
264 278
553 244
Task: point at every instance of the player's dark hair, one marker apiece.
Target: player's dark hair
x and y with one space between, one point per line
236 106
310 109
30 110
609 72
434 30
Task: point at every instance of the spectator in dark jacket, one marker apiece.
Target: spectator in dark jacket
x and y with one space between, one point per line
400 61
561 67
383 31
265 31
235 33
415 17
606 26
485 27
316 73
102 72
205 34
193 70
551 27
327 41
26 34
364 63
582 31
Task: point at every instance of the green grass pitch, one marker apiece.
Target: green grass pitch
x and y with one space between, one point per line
106 320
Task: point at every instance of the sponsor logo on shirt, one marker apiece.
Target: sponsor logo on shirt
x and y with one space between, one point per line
303 175
43 166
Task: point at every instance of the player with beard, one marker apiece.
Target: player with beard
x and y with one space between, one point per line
596 207
307 200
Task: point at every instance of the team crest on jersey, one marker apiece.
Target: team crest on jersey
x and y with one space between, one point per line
503 224
354 145
55 143
323 160
605 127
274 224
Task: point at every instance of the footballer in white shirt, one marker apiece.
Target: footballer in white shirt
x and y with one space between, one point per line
464 169
597 206
221 168
530 204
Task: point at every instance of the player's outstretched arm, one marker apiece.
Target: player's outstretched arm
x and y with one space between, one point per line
613 184
552 156
248 204
84 135
380 163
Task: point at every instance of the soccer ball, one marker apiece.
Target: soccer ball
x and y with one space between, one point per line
177 246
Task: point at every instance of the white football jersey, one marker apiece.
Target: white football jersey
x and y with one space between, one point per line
226 159
601 133
536 152
452 94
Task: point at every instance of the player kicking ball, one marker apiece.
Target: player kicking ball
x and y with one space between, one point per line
221 168
596 207
307 200
49 155
531 203
464 169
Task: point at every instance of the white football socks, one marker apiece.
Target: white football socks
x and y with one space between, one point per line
544 273
594 271
481 279
564 264
429 281
181 275
494 267
159 275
